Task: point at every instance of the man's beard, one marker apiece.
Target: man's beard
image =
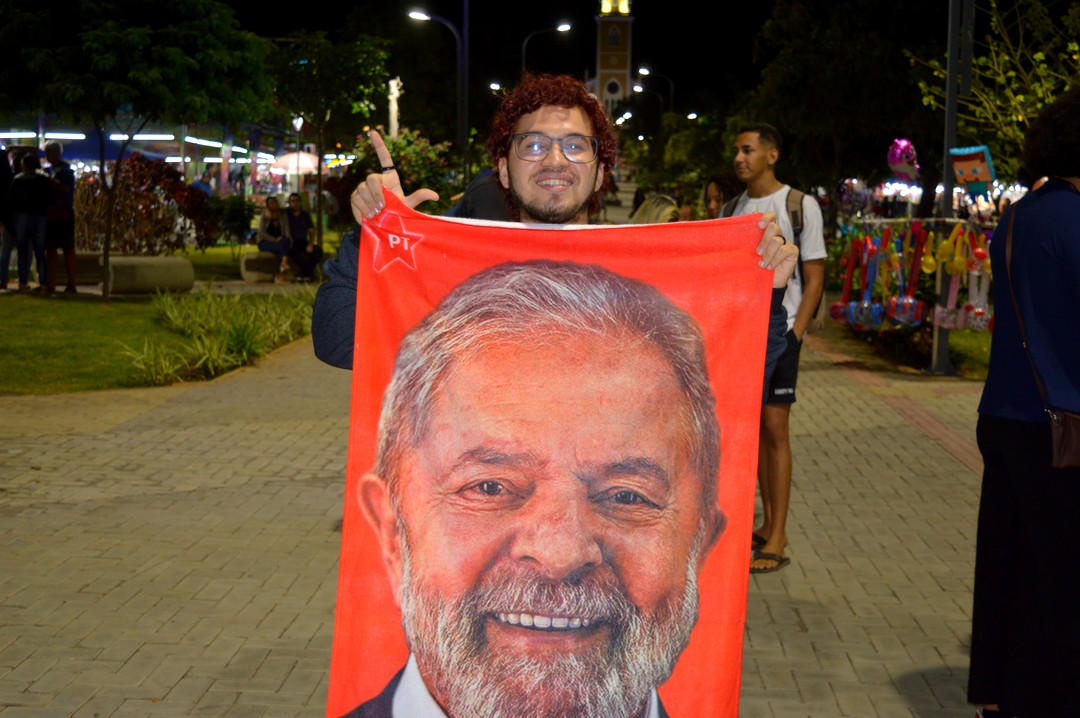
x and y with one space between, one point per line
552 212
612 680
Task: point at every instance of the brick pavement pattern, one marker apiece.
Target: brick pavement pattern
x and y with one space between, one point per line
173 551
872 617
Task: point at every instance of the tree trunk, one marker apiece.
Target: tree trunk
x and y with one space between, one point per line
930 178
110 203
110 197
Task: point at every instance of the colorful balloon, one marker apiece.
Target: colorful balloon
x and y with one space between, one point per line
902 160
974 169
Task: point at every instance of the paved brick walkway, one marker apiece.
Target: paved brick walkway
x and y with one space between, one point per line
872 617
173 552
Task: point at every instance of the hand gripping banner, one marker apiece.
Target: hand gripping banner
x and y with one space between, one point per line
537 509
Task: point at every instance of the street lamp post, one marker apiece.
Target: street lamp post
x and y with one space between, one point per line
563 27
462 79
646 72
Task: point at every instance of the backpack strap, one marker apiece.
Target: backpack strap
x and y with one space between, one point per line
795 213
795 216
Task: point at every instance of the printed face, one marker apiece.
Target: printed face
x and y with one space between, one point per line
752 157
552 530
553 190
972 168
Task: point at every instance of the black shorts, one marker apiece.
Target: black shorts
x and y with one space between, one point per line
60 234
780 386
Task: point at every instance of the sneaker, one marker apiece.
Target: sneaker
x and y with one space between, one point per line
70 289
280 278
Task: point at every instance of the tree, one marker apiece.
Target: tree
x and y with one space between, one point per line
833 81
1024 62
835 84
419 162
124 64
317 78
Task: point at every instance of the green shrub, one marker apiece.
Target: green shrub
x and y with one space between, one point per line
156 364
222 332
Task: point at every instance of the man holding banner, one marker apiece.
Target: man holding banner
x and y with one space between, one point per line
534 486
554 146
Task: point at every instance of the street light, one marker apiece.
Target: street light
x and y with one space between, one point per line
639 89
563 27
645 72
462 79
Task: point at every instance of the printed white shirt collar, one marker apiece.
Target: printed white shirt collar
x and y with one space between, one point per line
411 698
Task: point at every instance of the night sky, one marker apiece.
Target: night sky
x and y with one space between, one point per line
700 53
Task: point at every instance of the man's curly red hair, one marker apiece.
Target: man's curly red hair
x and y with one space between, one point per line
538 90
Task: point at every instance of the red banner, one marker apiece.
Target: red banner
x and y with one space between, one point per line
408 262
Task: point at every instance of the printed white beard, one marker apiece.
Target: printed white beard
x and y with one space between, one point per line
612 681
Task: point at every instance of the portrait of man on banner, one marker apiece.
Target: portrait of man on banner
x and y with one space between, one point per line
551 472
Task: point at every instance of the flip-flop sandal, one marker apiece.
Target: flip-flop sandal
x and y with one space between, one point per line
781 561
756 541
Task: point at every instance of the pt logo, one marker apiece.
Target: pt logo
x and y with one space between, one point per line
394 244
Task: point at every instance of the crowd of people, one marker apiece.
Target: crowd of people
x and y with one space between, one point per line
291 237
37 219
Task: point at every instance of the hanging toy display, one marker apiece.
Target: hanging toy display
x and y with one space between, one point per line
904 308
928 263
868 314
854 197
949 315
838 309
902 161
980 258
979 315
953 260
974 170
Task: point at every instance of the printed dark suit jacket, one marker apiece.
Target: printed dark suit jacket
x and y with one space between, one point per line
381 706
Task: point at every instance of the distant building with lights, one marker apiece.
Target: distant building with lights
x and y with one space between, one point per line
613 83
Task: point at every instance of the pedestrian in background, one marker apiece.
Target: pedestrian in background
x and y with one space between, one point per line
305 254
718 189
60 218
203 183
7 228
1025 632
29 196
757 150
273 237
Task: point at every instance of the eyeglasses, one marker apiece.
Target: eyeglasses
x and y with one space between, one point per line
534 147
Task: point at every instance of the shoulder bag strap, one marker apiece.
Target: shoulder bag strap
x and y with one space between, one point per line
1016 306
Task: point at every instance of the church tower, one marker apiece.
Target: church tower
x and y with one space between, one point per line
613 83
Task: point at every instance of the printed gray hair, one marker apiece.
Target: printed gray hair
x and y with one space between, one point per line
538 301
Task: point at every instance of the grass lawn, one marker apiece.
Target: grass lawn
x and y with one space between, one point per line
970 353
220 263
74 343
